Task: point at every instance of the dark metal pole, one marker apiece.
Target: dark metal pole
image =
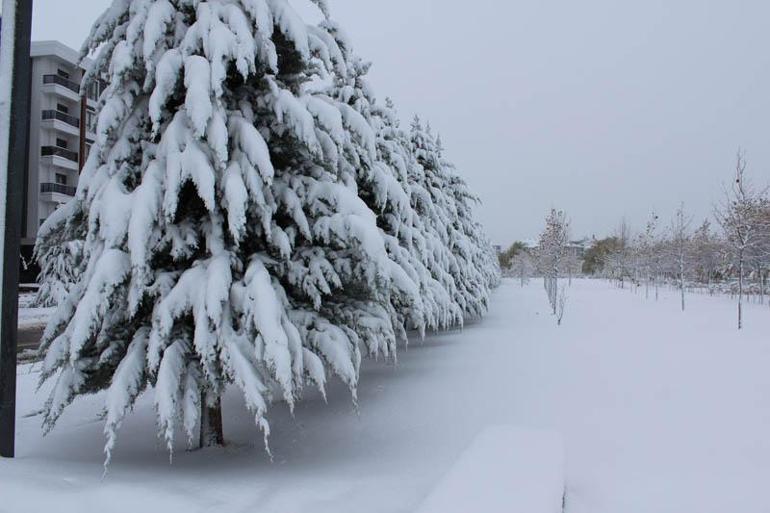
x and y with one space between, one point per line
18 133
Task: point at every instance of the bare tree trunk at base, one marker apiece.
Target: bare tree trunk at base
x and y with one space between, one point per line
211 433
740 294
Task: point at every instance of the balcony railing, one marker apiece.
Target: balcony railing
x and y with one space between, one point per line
67 190
55 114
51 151
56 79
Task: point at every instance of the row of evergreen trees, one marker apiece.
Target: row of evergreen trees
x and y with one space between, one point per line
248 215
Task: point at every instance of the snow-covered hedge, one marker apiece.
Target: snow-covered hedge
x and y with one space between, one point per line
248 215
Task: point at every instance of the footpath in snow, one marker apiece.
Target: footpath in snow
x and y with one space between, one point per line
658 410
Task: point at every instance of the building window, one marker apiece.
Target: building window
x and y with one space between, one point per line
95 90
62 108
61 143
61 179
87 151
91 121
62 73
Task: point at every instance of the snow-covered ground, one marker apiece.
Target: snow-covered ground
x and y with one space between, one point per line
659 411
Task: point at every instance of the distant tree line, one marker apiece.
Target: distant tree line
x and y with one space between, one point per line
729 253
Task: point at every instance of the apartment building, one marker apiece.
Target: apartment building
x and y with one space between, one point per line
62 125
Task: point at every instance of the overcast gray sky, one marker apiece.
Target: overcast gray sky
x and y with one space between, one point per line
605 108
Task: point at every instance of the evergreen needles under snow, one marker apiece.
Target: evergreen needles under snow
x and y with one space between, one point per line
248 215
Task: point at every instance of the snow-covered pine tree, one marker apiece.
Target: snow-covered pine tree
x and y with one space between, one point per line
429 202
430 254
443 200
386 188
380 185
226 241
247 218
478 265
427 254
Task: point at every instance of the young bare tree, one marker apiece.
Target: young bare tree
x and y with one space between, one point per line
552 252
522 266
707 251
758 256
679 248
572 263
648 255
619 262
560 306
763 247
740 217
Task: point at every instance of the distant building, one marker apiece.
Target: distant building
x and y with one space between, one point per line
62 127
578 248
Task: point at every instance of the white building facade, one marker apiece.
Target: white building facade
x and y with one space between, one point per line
62 126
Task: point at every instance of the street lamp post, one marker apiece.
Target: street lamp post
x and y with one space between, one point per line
15 76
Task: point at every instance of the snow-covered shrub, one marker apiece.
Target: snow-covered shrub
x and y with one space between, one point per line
249 216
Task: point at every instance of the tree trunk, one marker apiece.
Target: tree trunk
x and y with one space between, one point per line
740 294
681 280
212 433
554 288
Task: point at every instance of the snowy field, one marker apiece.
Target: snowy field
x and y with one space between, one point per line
659 411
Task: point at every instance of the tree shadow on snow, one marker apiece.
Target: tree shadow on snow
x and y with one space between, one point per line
319 433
